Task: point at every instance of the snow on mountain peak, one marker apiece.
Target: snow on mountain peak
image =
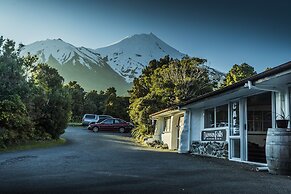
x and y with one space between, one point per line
61 51
130 55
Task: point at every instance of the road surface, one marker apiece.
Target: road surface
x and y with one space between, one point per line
111 163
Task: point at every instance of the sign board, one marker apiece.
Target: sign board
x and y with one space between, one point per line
213 135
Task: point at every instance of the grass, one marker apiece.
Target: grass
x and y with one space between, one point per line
34 145
74 124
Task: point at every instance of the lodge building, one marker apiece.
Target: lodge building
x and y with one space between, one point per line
231 122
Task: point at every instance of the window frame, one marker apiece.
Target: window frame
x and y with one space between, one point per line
108 123
215 117
167 130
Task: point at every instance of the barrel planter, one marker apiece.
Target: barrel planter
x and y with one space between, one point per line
278 151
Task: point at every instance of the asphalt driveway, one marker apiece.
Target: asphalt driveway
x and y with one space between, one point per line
112 163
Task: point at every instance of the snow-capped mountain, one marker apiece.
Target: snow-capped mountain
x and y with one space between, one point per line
129 56
77 64
113 66
62 52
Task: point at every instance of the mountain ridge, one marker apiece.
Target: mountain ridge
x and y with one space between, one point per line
130 55
115 65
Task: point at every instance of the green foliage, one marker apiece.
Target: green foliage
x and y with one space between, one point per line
97 103
12 79
13 114
47 77
15 124
93 102
165 83
237 73
51 102
77 94
116 106
35 104
141 132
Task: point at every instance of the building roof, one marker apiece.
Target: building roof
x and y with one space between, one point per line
164 110
267 73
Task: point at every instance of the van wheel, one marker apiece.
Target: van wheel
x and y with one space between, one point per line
95 129
121 130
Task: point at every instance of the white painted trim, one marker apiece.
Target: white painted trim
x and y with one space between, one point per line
248 162
190 129
235 159
273 99
210 129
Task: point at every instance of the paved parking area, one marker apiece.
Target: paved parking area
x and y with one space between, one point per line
111 163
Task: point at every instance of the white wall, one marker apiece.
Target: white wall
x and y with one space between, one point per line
283 102
159 128
196 124
169 137
166 139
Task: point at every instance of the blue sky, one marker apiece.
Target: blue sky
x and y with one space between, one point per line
224 32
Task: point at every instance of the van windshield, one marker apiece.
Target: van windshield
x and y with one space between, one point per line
90 116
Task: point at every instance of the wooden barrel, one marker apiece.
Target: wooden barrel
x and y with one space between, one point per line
278 151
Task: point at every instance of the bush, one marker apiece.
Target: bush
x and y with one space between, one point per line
13 114
15 124
142 132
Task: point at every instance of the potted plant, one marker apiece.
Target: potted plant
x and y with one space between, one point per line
282 120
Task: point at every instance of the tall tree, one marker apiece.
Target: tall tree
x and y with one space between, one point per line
237 73
15 123
94 102
77 94
51 100
165 83
181 80
12 79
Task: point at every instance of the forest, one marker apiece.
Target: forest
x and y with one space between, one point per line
36 104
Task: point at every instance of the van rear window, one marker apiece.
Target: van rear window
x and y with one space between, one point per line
90 116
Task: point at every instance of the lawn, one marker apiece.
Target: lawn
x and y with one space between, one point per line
34 145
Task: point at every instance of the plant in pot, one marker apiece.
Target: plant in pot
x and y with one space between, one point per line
282 120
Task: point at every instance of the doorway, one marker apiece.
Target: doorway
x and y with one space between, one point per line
235 130
259 119
179 129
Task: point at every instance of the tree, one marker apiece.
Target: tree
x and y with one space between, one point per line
51 100
237 73
165 83
181 80
12 79
15 123
94 102
77 94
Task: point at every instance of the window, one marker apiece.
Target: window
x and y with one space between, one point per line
108 121
119 121
216 117
209 118
154 124
90 116
222 116
167 123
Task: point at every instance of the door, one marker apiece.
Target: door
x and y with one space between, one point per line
180 129
235 131
107 124
259 119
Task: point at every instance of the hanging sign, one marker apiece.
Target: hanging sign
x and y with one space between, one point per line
213 135
235 118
